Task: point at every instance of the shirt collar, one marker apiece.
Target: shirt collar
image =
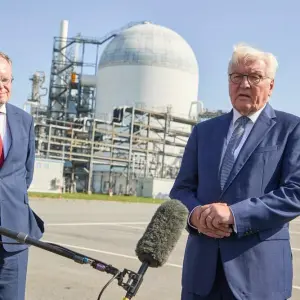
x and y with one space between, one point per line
3 109
253 117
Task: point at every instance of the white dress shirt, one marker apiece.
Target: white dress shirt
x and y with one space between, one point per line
4 130
253 118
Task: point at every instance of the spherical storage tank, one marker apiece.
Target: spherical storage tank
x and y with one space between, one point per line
149 66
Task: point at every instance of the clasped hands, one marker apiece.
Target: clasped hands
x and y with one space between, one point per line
213 220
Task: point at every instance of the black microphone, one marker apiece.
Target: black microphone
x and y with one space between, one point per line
158 240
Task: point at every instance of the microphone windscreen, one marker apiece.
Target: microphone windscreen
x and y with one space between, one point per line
162 233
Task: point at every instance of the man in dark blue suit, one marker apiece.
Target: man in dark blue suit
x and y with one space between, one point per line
17 155
240 180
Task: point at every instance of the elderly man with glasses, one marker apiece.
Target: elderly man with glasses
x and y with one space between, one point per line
17 155
240 180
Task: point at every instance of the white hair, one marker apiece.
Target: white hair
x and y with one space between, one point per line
245 53
6 57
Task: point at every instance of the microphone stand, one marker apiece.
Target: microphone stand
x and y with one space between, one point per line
131 285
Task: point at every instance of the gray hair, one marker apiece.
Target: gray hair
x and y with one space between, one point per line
6 57
246 53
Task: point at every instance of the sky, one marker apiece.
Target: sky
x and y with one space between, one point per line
210 27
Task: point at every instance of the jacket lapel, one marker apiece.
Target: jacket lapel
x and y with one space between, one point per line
13 122
216 140
260 129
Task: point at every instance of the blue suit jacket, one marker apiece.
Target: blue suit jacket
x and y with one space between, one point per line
15 178
263 192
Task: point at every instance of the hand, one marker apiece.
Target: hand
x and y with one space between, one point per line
220 232
214 216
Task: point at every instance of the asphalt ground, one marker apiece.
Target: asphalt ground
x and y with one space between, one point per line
107 231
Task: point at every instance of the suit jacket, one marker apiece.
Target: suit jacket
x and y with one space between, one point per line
15 178
263 191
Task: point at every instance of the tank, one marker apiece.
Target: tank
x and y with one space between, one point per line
147 66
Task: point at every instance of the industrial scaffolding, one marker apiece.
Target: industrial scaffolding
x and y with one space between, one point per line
71 60
138 142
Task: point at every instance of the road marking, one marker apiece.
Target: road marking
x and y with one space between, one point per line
106 252
294 232
97 224
296 287
134 227
123 224
127 256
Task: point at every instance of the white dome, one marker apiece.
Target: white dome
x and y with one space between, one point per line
147 64
152 45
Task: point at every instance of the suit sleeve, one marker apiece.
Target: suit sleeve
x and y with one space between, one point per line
30 155
279 206
185 185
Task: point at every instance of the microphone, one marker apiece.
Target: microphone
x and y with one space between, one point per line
153 249
158 240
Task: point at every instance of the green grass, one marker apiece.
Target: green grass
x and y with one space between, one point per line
82 196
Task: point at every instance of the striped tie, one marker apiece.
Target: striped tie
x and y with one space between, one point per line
235 139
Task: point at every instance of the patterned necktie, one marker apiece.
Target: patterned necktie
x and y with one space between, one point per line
228 159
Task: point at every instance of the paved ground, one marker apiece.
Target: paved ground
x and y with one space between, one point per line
108 232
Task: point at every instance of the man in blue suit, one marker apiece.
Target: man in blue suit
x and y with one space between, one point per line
17 155
240 180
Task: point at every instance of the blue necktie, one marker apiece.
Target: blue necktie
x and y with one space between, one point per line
228 159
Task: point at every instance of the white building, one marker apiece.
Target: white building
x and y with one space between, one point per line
149 66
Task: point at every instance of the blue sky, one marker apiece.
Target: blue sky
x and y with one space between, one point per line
210 27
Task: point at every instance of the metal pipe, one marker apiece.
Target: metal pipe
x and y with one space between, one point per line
91 160
130 150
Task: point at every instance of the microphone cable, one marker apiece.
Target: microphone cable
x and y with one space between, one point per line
76 253
107 284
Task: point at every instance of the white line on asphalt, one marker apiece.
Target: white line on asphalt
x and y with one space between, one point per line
105 252
127 256
296 287
97 224
133 227
294 232
125 224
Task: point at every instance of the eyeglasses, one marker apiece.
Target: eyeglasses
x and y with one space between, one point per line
6 81
253 79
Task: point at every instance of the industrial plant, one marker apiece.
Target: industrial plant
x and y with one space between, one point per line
120 110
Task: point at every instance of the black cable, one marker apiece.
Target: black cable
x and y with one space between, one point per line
76 253
107 284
